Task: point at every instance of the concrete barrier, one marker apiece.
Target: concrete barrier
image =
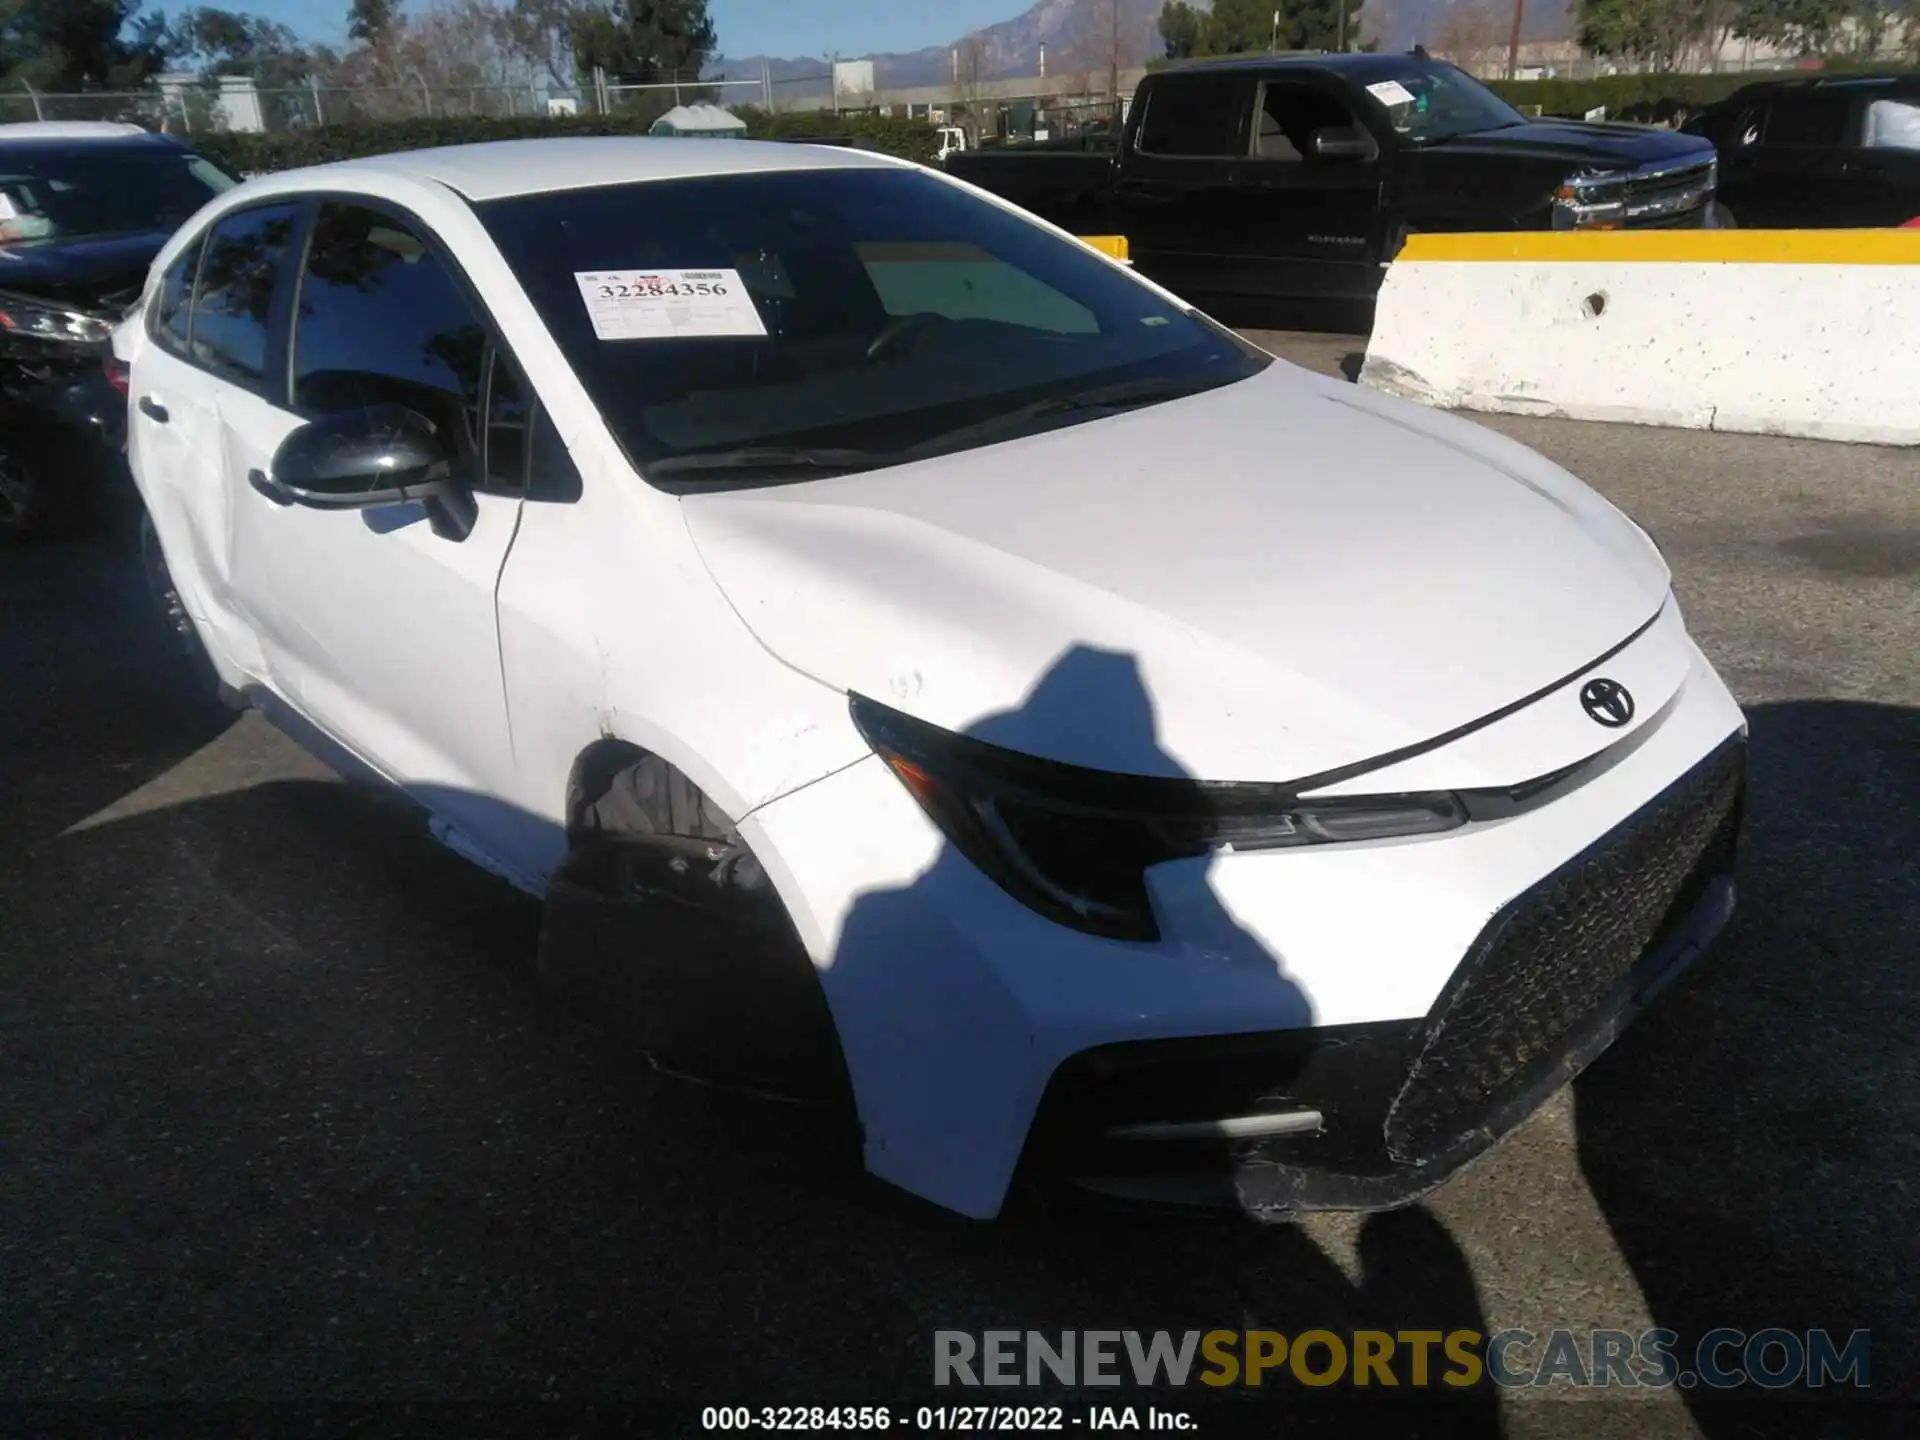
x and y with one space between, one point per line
1771 332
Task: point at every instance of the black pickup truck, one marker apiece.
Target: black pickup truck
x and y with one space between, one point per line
1296 177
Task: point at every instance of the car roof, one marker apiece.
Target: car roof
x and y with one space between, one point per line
1900 81
502 168
77 130
40 143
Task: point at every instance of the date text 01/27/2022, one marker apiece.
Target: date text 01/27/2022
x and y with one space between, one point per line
964 1419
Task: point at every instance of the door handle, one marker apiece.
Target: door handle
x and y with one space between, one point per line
153 410
269 487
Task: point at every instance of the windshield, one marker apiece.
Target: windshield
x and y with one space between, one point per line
77 193
1430 103
778 326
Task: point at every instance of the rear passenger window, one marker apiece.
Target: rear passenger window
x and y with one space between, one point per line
1193 116
382 321
174 311
246 256
1809 120
1893 125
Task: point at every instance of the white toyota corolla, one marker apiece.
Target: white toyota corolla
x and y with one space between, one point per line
1134 759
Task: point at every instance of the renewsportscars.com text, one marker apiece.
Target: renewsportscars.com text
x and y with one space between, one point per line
1771 1359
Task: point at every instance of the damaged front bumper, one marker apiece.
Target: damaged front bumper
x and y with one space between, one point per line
1371 1116
1414 998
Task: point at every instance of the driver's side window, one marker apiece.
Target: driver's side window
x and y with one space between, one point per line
1290 115
381 320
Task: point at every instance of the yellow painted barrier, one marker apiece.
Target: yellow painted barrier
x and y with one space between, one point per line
1110 245
1686 247
1814 333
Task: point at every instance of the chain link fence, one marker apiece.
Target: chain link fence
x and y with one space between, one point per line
238 104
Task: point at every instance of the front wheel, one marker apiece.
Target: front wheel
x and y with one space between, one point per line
1721 217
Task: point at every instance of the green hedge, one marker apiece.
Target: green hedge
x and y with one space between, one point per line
250 154
1658 98
1626 97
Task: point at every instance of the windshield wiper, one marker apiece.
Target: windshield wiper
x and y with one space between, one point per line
1126 395
766 457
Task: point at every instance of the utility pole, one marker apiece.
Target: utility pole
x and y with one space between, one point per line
1343 27
1513 38
1273 41
1113 63
833 79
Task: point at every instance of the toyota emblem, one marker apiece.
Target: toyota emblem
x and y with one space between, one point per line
1606 703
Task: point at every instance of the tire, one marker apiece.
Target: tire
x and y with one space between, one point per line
1723 217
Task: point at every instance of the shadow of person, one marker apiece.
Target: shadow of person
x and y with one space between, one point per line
1750 1140
955 1004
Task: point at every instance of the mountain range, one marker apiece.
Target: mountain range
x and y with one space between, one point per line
1079 36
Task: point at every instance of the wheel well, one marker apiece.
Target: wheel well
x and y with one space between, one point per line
662 912
619 788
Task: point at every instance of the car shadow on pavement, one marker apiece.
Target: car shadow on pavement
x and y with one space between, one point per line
289 1117
92 702
1751 1140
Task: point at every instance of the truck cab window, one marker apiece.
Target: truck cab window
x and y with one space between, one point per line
1193 116
1289 117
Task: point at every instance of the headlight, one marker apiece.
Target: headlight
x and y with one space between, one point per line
1581 202
1074 844
51 322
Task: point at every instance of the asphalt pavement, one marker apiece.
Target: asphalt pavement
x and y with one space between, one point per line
284 1118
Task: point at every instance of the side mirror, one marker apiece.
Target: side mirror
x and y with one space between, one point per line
361 459
1343 142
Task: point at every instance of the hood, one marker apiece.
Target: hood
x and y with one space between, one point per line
1305 575
103 274
1582 142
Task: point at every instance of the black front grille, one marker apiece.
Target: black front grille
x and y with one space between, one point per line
1670 199
1404 1103
1666 184
1556 953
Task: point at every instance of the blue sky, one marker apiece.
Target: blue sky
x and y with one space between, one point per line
747 27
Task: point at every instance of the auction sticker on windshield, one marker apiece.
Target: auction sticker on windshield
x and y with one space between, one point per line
668 304
1391 92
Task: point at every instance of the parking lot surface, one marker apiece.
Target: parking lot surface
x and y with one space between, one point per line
285 1117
